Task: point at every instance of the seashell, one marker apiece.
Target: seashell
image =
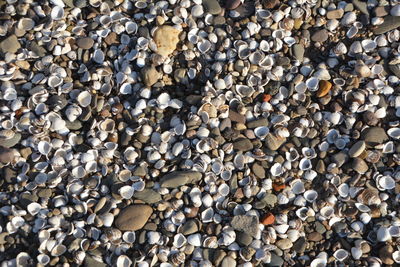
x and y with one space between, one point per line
310 195
194 240
131 27
394 231
34 208
383 234
124 261
179 240
244 91
43 259
98 56
261 132
396 256
129 236
297 186
207 216
341 254
126 192
107 125
73 112
305 164
58 250
302 213
239 161
276 169
204 46
292 155
327 212
369 197
363 208
197 11
107 219
344 190
44 147
256 57
57 13
153 237
224 190
78 172
394 133
385 183
141 4
395 11
312 84
318 263
54 81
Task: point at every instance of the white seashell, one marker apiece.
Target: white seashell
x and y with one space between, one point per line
204 46
261 132
293 235
383 234
341 254
107 125
318 263
224 189
264 46
107 219
43 259
84 98
310 175
153 237
302 213
312 83
78 172
327 212
239 161
57 13
297 186
292 155
220 84
194 240
129 236
124 261
197 11
394 133
356 253
147 130
34 208
244 90
202 132
363 208
54 81
126 192
207 215
131 27
385 182
344 190
58 250
310 195
365 218
368 45
44 147
305 164
276 169
281 228
73 112
179 240
125 89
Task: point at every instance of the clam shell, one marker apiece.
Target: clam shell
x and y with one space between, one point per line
305 164
276 169
383 234
341 254
107 125
261 132
126 192
129 236
124 261
57 13
386 182
394 133
297 186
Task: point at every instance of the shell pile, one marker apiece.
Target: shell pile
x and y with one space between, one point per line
199 133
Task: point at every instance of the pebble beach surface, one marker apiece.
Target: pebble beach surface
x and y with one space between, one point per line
199 133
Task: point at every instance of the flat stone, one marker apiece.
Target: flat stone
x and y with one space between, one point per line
340 158
218 255
395 69
300 245
212 7
228 262
359 165
257 123
357 149
284 244
244 238
11 142
320 36
374 136
189 227
178 178
319 227
148 196
324 88
133 217
243 145
335 14
258 170
390 23
298 52
248 224
270 199
315 237
10 45
273 142
150 76
166 39
6 155
381 11
85 42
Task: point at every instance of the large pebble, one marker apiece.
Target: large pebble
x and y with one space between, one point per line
6 155
359 165
273 142
248 224
385 254
335 14
133 218
243 145
257 123
178 178
148 196
150 75
166 39
85 43
324 88
228 262
10 44
390 23
284 244
212 6
374 136
298 51
357 149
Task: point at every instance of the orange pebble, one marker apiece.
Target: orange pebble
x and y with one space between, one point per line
324 88
278 187
269 218
266 97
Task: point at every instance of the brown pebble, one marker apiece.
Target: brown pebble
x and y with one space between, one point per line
324 88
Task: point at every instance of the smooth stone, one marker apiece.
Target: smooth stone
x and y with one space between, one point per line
69 3
85 42
140 171
150 76
37 49
390 23
361 5
179 178
284 243
245 10
248 224
340 158
298 52
270 199
381 11
243 145
10 45
258 170
357 149
75 125
148 196
319 227
395 69
6 155
133 217
315 237
385 254
269 4
300 245
189 227
218 256
236 117
232 4
335 14
273 142
359 165
91 262
166 39
228 262
243 238
324 88
276 261
320 36
212 6
374 136
257 123
11 142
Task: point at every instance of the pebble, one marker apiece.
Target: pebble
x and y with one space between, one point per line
298 52
150 76
374 136
85 43
179 178
6 155
243 145
258 170
91 262
276 261
243 238
300 245
11 142
389 23
232 4
320 36
248 224
212 6
10 44
268 219
284 244
257 123
335 14
359 165
357 149
315 237
385 254
188 228
361 5
273 142
324 88
270 199
269 4
166 38
148 196
133 218
228 262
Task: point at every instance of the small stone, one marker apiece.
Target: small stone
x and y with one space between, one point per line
361 5
270 199
395 69
300 245
10 45
324 88
150 76
6 155
359 165
298 52
212 6
166 39
236 117
320 36
248 224
374 136
258 170
284 244
315 237
268 219
232 4
381 11
357 149
91 262
385 254
189 227
335 14
243 145
270 3
276 261
273 142
319 227
243 238
228 262
389 23
85 42
218 255
133 217
257 123
340 158
179 178
111 38
148 196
